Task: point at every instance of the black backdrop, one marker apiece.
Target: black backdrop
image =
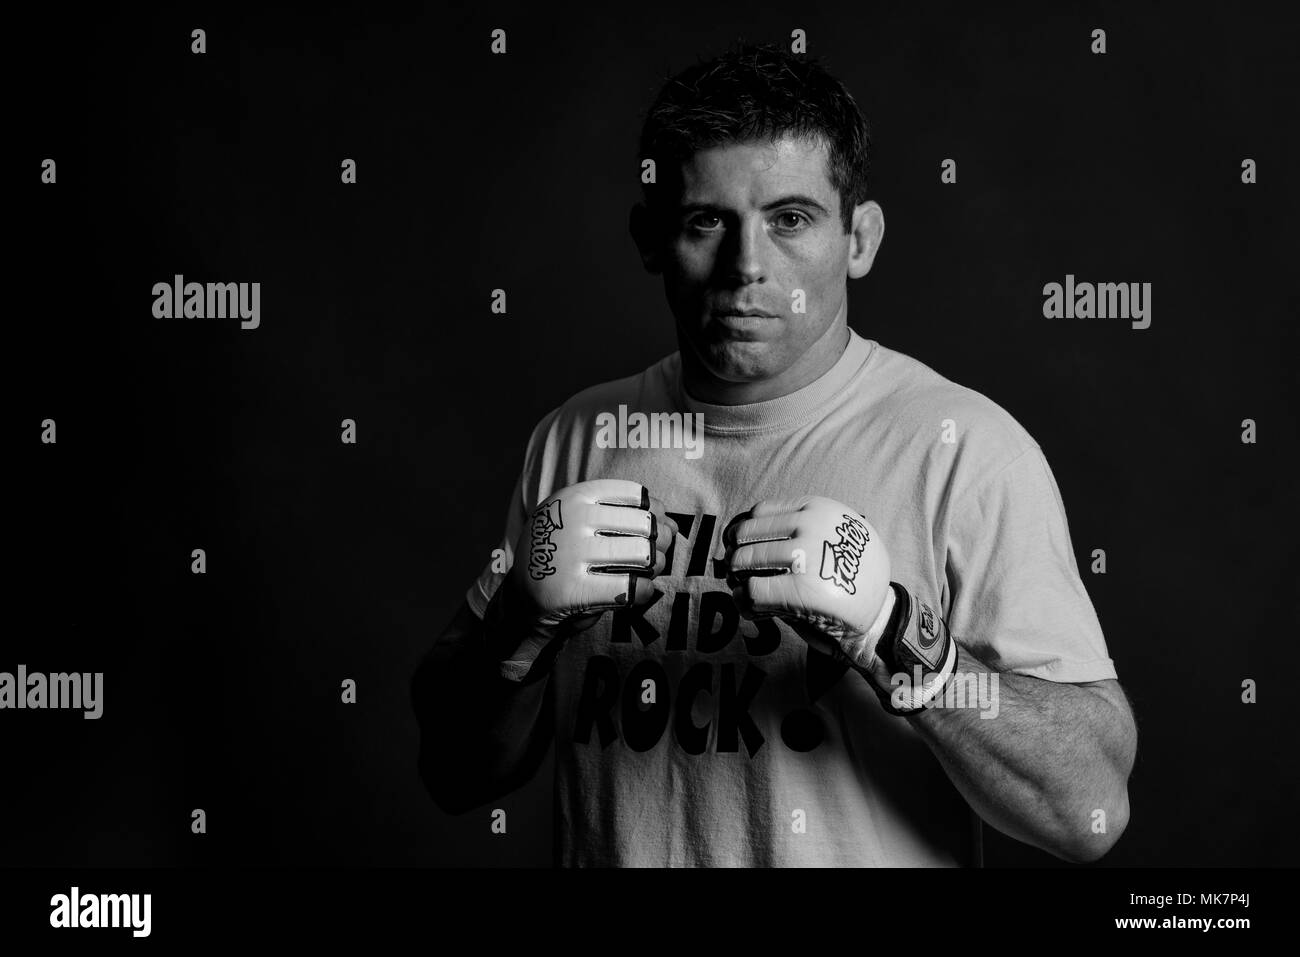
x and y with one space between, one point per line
328 561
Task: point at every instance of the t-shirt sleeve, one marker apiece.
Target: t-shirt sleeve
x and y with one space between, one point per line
1016 598
522 501
502 558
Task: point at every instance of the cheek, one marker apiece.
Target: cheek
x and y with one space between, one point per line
691 261
817 272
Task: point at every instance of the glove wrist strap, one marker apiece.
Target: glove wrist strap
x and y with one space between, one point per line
918 653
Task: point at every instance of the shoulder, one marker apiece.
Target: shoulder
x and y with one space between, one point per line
978 435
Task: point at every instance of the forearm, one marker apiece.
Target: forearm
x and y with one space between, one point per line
481 735
1042 765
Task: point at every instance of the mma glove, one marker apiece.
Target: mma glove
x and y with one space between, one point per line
588 548
821 567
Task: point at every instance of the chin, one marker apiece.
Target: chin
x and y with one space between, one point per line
737 361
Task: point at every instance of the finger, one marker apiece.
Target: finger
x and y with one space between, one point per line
612 591
660 562
642 592
763 596
614 492
768 528
659 510
728 540
761 558
606 554
617 520
665 534
779 506
743 596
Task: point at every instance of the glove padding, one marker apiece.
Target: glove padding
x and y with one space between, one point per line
820 566
586 549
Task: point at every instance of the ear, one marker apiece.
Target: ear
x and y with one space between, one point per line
864 238
641 224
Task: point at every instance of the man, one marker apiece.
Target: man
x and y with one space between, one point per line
752 670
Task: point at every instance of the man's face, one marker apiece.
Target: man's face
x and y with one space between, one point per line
756 224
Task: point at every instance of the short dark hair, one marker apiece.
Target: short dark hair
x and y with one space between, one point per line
758 92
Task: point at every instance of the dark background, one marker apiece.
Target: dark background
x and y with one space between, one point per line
476 172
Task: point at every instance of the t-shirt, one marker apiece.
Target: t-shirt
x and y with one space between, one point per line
688 736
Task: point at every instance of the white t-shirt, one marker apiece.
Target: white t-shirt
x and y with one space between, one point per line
757 750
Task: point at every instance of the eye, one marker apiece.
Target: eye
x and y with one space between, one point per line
799 220
698 223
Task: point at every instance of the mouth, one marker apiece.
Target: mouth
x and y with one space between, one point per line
743 313
742 324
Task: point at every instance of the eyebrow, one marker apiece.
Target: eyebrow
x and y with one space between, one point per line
794 199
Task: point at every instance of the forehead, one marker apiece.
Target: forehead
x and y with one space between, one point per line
758 170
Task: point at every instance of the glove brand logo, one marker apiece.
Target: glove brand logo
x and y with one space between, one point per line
925 621
545 521
841 560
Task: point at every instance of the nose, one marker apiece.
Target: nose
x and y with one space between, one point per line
744 259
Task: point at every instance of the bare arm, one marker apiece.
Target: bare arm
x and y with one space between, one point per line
1053 756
